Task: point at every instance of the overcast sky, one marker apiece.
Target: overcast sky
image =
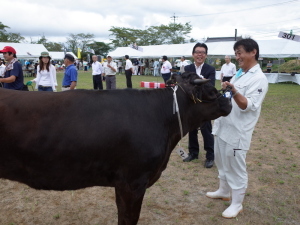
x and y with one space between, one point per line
217 18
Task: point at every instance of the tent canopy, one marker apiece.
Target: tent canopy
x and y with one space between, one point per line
277 48
60 55
25 51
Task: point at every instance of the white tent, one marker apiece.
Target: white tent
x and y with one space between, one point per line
25 51
277 48
60 55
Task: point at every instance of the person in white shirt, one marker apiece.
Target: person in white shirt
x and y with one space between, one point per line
182 64
156 68
128 71
166 69
97 71
110 70
228 70
2 71
120 67
2 68
233 133
46 74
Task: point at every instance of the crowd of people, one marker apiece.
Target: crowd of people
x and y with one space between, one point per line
226 142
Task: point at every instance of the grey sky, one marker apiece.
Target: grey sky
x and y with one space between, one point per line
57 18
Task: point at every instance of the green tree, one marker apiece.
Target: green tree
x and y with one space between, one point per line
50 46
100 48
8 36
123 36
81 40
174 33
54 46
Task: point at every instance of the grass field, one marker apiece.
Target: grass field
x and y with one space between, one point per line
85 80
273 194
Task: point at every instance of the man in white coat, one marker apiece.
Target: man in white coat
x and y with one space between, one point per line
233 133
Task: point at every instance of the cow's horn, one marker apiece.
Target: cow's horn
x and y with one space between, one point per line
200 81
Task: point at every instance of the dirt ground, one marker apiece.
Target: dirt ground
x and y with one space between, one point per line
273 195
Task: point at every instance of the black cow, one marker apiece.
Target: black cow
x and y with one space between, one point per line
118 138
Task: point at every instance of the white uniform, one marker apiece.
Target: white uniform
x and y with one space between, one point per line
233 133
2 70
228 70
181 65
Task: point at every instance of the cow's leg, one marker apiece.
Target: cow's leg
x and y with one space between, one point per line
129 203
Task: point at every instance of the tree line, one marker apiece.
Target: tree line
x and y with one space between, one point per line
173 33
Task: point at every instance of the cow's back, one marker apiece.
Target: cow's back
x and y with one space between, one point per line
66 140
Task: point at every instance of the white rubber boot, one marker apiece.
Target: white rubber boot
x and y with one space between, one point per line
223 192
236 204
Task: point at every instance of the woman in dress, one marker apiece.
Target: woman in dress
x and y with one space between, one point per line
46 74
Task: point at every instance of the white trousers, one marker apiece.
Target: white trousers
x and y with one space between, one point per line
231 164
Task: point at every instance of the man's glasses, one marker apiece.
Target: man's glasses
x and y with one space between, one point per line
200 52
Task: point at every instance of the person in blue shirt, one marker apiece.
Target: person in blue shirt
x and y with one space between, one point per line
70 77
13 75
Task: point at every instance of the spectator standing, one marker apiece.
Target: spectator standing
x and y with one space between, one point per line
228 70
151 66
269 67
46 74
110 70
128 71
13 75
120 66
233 133
204 71
2 71
183 63
97 71
147 67
2 68
27 63
85 66
135 67
70 76
166 69
142 72
156 68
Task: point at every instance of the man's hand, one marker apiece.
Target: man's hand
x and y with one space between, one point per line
226 83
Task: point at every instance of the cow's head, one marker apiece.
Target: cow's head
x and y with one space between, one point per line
202 93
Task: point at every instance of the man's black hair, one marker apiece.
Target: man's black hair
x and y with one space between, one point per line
249 45
14 55
70 57
200 45
126 56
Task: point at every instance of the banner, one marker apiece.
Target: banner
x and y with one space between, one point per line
79 53
291 37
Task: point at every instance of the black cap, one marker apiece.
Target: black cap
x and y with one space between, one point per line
70 57
165 57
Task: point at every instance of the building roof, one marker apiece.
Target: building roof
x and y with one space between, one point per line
25 51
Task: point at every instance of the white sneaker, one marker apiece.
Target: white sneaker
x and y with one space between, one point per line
236 204
223 192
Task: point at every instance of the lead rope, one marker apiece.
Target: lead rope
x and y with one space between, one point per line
179 150
176 110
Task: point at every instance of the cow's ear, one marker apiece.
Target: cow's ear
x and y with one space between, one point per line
200 81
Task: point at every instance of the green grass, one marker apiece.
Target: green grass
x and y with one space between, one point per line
85 80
